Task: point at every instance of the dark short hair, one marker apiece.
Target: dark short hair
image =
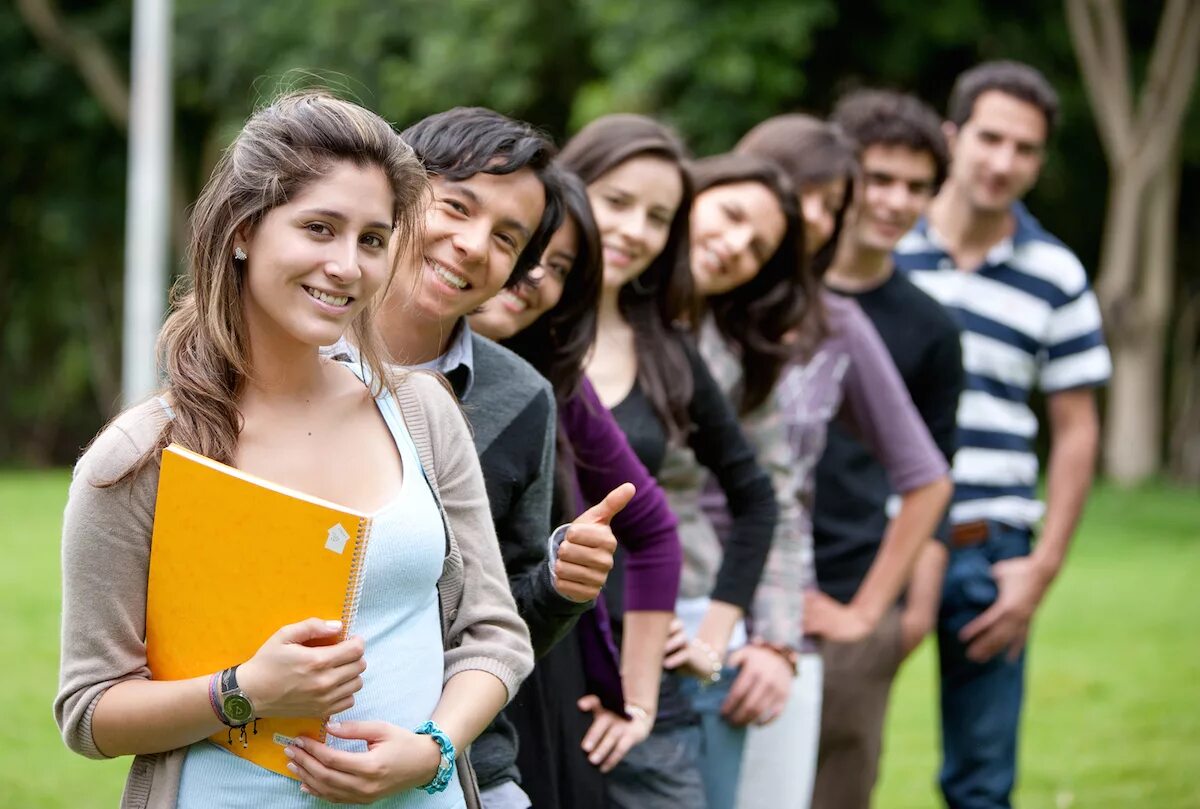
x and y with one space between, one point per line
465 141
888 118
811 152
1016 79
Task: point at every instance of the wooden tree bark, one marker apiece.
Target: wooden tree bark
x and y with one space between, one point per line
1137 253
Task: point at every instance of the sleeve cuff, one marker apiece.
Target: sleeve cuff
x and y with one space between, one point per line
556 539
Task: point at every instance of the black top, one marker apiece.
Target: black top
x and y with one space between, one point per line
719 445
849 515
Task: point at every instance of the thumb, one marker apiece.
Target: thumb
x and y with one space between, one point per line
308 630
738 656
588 703
603 512
368 731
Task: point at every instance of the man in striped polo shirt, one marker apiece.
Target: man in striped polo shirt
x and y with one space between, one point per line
1028 318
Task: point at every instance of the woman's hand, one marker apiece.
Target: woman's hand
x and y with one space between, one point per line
611 736
287 677
396 759
690 657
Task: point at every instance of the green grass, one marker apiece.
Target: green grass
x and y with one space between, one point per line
1112 710
1112 716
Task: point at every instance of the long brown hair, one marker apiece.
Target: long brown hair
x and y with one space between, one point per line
204 345
558 341
811 152
776 315
662 296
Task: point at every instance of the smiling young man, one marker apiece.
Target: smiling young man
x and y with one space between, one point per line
903 157
495 204
1029 318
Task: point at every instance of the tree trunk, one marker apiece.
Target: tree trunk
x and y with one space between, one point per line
1184 444
1134 429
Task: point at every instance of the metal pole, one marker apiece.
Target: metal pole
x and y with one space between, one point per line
147 206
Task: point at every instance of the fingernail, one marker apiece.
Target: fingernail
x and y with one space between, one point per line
334 626
289 752
292 767
305 790
333 725
298 742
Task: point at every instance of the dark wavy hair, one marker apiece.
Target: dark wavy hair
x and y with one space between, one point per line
662 296
777 314
465 141
890 118
811 152
557 342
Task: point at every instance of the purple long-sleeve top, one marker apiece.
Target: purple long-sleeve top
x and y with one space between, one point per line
645 528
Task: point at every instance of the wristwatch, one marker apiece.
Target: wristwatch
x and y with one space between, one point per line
236 708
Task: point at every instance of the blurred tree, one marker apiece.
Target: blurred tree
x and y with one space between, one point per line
712 68
60 262
1137 263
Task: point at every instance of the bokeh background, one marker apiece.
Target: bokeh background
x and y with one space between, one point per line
1114 713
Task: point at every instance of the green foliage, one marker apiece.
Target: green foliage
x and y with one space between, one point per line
712 68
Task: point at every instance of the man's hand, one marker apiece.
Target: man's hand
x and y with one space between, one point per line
828 618
585 557
611 736
760 691
1021 583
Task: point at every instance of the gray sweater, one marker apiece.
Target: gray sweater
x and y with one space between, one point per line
106 552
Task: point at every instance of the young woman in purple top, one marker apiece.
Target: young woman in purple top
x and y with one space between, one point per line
582 710
648 372
846 373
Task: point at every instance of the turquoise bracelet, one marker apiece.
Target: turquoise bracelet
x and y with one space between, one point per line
445 769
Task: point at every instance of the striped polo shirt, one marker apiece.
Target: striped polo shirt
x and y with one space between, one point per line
1028 317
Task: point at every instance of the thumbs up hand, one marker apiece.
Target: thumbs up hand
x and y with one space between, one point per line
585 556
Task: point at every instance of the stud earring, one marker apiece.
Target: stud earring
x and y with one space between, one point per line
239 254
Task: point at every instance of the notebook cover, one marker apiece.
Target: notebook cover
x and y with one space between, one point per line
234 558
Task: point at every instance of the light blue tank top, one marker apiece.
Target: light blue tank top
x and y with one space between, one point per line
399 617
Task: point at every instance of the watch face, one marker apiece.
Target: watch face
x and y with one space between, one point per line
238 709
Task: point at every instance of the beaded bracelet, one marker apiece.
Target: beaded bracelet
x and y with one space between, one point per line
212 696
714 674
445 770
638 712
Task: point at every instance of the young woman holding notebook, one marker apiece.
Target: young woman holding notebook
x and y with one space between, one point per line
294 239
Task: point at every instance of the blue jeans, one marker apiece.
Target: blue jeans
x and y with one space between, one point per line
981 702
659 773
721 743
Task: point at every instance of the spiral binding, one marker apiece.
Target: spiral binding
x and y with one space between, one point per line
354 590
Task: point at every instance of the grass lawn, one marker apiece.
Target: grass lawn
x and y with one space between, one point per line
1113 709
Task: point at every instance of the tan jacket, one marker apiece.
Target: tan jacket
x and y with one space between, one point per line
106 555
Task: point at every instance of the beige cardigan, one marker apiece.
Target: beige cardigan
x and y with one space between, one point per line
106 553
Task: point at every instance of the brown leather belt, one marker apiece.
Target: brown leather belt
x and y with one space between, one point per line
965 534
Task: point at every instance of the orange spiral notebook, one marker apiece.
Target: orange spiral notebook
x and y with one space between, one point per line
233 558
